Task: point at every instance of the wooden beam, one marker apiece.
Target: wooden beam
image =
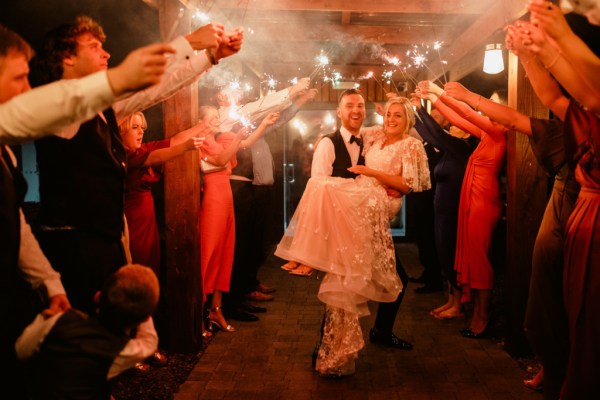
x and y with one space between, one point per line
346 17
395 35
381 6
182 291
476 35
527 189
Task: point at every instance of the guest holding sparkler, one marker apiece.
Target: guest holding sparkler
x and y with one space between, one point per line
456 147
480 205
217 221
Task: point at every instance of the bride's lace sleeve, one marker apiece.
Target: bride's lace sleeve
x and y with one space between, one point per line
415 169
370 135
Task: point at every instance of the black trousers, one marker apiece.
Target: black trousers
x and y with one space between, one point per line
425 235
84 260
386 312
253 209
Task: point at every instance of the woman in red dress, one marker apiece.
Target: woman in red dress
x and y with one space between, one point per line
217 224
480 205
144 168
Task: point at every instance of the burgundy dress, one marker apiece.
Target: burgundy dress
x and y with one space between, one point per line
144 240
217 223
581 279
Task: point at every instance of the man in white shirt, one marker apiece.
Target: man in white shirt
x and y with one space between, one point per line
82 179
24 116
334 154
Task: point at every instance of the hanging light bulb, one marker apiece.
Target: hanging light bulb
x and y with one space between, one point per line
493 62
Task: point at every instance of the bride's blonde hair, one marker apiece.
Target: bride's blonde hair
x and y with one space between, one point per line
408 111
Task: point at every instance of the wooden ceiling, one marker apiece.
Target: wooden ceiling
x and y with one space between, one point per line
284 37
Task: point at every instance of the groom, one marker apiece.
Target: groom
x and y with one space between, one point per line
333 156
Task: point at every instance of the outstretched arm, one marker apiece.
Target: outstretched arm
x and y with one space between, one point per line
545 87
451 115
161 156
509 117
584 62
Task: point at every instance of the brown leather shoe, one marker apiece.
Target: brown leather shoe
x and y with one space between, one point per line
261 287
259 296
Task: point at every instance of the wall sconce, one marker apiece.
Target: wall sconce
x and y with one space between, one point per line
493 62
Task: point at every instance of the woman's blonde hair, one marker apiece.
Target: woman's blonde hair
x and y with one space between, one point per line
408 111
203 111
127 122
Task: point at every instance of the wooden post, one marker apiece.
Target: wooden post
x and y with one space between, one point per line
183 289
527 194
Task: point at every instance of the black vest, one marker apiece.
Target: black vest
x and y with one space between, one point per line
342 159
74 359
12 192
82 180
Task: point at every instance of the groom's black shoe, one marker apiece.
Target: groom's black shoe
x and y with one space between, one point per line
251 308
389 339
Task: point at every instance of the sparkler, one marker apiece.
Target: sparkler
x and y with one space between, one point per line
437 46
370 75
419 60
322 62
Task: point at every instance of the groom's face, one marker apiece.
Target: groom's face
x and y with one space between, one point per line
352 112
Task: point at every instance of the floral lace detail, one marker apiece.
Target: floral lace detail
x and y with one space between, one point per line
342 339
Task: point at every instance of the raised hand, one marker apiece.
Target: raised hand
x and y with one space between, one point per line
231 44
456 90
194 143
549 18
270 119
415 100
141 68
302 86
208 36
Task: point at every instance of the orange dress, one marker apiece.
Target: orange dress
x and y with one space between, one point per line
479 211
217 223
581 279
480 206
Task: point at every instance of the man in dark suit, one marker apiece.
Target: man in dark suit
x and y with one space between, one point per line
333 156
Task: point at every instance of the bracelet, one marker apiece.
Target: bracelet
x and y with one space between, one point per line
211 57
553 61
477 105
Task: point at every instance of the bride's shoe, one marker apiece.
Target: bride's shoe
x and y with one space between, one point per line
302 270
290 266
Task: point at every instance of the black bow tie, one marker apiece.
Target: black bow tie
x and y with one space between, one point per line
354 139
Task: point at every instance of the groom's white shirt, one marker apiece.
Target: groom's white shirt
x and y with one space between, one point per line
324 155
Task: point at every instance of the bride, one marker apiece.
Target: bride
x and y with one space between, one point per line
341 227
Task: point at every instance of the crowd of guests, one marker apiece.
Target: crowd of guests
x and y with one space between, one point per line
96 249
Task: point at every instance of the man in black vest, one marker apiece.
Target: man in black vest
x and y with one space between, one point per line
333 156
82 179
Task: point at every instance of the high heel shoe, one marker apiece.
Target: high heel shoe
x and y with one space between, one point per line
213 323
468 333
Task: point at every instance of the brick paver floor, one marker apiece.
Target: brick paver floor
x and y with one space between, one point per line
271 358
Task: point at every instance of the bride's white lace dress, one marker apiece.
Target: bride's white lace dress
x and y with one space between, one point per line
341 227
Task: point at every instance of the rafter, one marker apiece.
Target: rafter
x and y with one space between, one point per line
381 6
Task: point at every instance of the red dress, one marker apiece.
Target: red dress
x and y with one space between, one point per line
581 279
144 241
480 206
217 223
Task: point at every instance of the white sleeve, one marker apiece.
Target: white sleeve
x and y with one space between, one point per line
183 68
44 110
30 341
323 158
142 346
34 265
